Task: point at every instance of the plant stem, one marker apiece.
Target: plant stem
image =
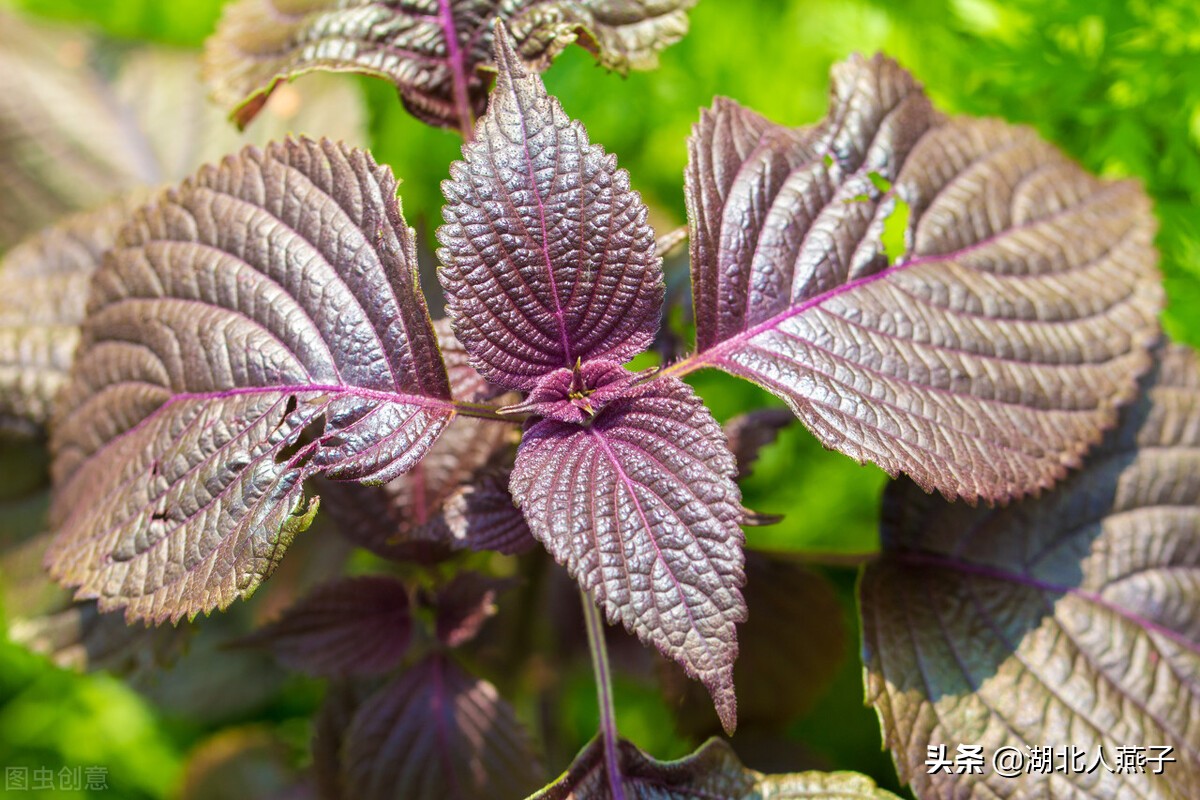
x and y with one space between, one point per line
486 411
608 717
458 73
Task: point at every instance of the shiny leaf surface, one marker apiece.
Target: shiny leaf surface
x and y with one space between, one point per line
547 257
991 354
642 509
1066 620
253 328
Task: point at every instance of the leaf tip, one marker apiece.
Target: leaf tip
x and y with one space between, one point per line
720 686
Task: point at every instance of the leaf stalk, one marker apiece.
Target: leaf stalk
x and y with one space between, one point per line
608 716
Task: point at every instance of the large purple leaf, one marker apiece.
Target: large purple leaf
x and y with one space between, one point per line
75 135
547 256
349 626
986 359
1063 621
255 327
642 508
437 732
437 52
711 772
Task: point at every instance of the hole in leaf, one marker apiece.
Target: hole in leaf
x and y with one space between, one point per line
881 183
309 434
895 224
288 410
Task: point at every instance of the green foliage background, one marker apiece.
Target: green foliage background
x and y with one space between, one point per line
1116 83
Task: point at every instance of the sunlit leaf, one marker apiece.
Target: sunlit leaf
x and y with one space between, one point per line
1063 621
350 626
641 507
149 123
989 356
433 733
253 328
547 257
437 52
711 772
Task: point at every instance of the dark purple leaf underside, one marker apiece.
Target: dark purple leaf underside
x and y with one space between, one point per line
547 256
642 509
464 605
1069 619
253 328
456 497
437 732
713 772
437 52
350 626
985 360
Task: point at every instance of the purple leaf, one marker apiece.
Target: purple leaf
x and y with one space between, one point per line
1065 620
438 54
456 497
481 515
350 626
711 772
149 124
437 732
547 257
465 381
577 395
989 356
255 327
464 605
641 507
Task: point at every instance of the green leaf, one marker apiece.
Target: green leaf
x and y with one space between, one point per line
1063 620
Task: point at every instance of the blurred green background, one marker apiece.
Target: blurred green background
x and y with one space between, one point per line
1115 84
